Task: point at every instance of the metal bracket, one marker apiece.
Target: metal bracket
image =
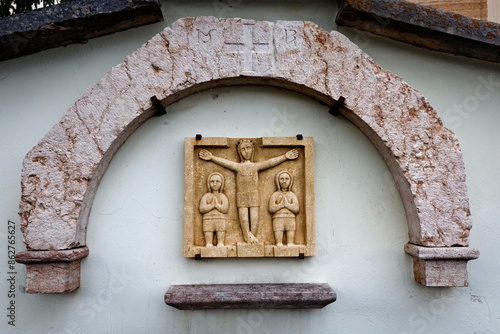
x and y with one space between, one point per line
160 110
334 110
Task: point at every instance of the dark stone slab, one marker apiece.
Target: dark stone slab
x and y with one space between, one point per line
424 26
72 22
250 296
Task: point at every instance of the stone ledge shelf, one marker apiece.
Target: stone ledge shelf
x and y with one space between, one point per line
424 26
52 271
250 296
72 22
441 266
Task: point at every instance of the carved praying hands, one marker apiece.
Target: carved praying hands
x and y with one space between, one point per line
284 202
217 205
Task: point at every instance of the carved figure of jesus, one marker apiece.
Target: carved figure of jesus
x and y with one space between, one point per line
213 206
247 183
284 205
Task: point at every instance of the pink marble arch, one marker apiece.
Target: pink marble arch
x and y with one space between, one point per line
60 175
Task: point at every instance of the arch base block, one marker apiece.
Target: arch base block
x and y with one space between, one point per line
441 266
52 271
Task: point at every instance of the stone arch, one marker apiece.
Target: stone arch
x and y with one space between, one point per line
61 174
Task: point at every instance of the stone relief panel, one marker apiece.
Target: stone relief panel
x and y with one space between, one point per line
249 197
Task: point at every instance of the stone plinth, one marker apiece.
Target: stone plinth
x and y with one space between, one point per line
246 250
52 271
250 296
441 266
217 251
289 251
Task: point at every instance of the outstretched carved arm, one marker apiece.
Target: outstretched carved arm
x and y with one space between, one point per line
290 155
208 156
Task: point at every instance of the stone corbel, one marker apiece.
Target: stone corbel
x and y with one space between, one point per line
441 266
52 271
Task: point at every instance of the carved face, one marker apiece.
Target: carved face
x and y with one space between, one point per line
246 150
284 180
215 182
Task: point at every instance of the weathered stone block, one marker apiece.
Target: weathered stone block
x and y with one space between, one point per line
248 250
250 296
214 252
288 251
441 266
52 271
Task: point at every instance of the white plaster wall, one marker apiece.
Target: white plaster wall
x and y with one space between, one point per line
135 229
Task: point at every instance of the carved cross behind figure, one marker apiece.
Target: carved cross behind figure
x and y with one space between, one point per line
247 183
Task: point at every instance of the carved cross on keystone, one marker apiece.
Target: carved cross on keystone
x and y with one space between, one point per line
248 48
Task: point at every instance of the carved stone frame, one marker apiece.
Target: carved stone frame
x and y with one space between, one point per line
61 174
307 207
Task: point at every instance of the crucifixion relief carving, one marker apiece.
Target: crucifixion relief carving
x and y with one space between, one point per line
243 209
247 183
